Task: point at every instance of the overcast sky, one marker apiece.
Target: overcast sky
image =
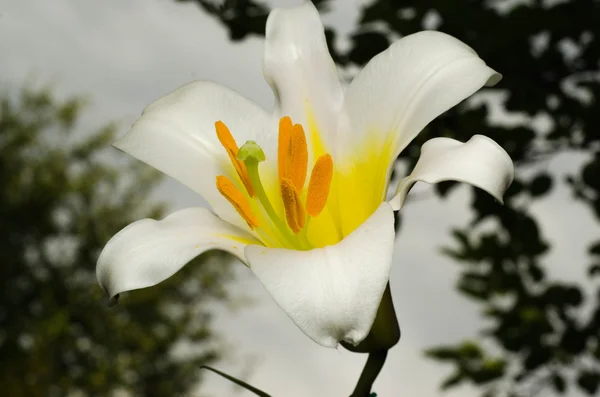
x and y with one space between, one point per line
124 54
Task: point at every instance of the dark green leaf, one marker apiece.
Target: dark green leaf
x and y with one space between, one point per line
238 382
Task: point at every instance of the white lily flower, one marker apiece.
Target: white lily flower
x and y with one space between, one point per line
311 221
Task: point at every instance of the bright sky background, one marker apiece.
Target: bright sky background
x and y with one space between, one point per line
126 53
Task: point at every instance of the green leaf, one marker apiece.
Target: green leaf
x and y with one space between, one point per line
452 381
442 353
589 381
558 382
238 382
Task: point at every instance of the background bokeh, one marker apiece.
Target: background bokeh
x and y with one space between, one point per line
502 299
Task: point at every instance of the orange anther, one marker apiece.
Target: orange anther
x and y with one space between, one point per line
237 199
231 147
294 212
319 184
283 148
225 137
298 157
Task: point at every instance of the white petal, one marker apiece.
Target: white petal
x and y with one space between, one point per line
480 162
300 70
176 134
147 251
404 88
331 293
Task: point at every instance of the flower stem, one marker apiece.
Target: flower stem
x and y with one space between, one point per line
369 374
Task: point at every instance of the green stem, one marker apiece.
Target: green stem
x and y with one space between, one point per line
369 374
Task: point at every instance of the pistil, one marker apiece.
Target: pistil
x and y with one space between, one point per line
251 154
292 162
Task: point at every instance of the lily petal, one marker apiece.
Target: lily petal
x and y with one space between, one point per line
480 162
302 74
406 86
148 251
400 91
331 293
386 106
176 135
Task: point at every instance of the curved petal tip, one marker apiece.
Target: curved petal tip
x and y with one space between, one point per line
480 162
493 79
148 252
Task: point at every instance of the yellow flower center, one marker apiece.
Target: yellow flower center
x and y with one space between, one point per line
254 205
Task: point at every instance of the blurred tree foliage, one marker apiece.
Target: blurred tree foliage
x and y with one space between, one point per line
542 335
62 196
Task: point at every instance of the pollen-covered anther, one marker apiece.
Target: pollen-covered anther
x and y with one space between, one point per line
294 211
232 149
283 146
298 157
319 185
237 200
292 153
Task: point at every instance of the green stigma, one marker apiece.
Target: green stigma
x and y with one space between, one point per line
251 151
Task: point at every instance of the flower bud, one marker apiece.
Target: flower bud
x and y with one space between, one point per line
385 332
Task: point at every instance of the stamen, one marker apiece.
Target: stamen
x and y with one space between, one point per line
230 145
298 157
237 199
294 213
252 155
319 185
283 148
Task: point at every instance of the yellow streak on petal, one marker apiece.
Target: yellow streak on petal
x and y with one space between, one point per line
318 147
361 181
237 199
294 211
242 240
319 185
322 231
232 149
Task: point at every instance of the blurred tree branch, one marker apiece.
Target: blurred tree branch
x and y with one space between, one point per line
63 195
